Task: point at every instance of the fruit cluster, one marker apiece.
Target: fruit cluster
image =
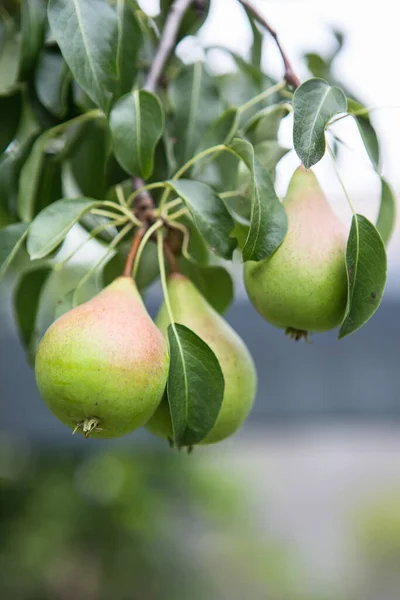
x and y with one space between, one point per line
102 368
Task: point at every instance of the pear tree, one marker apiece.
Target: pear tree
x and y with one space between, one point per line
123 163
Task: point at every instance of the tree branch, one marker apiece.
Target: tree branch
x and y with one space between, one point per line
167 42
290 76
143 205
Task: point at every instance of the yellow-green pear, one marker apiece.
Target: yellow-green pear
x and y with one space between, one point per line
191 309
302 287
102 367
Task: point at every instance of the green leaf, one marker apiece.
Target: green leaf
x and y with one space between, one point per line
387 212
61 287
10 114
40 180
90 221
241 230
264 126
64 304
129 42
209 213
198 249
11 164
10 52
30 180
214 283
26 303
137 123
148 270
28 129
33 19
258 38
367 132
88 158
237 88
315 102
318 66
52 82
193 18
51 225
11 239
87 34
196 104
268 153
268 220
195 386
366 265
221 131
164 163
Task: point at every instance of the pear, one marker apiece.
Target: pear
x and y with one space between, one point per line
302 287
102 367
191 309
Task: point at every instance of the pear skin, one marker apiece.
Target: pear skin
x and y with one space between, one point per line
102 367
303 285
191 309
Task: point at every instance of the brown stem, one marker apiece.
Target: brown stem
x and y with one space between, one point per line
173 265
143 205
132 252
167 42
290 76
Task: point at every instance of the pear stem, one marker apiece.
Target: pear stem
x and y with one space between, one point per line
268 92
137 238
147 236
120 196
186 238
163 277
173 265
338 175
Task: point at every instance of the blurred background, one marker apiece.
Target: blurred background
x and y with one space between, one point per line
304 503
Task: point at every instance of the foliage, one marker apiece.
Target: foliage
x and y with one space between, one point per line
113 524
86 138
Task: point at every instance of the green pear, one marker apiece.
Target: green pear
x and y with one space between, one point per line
102 367
302 287
191 309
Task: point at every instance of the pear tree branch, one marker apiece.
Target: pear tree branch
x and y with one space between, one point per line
290 76
143 203
167 43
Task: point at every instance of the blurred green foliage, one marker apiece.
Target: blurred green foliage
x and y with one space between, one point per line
123 525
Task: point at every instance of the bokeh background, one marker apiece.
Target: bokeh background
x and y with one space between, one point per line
304 503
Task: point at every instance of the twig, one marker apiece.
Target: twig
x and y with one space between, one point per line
132 252
167 42
143 204
173 265
290 76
